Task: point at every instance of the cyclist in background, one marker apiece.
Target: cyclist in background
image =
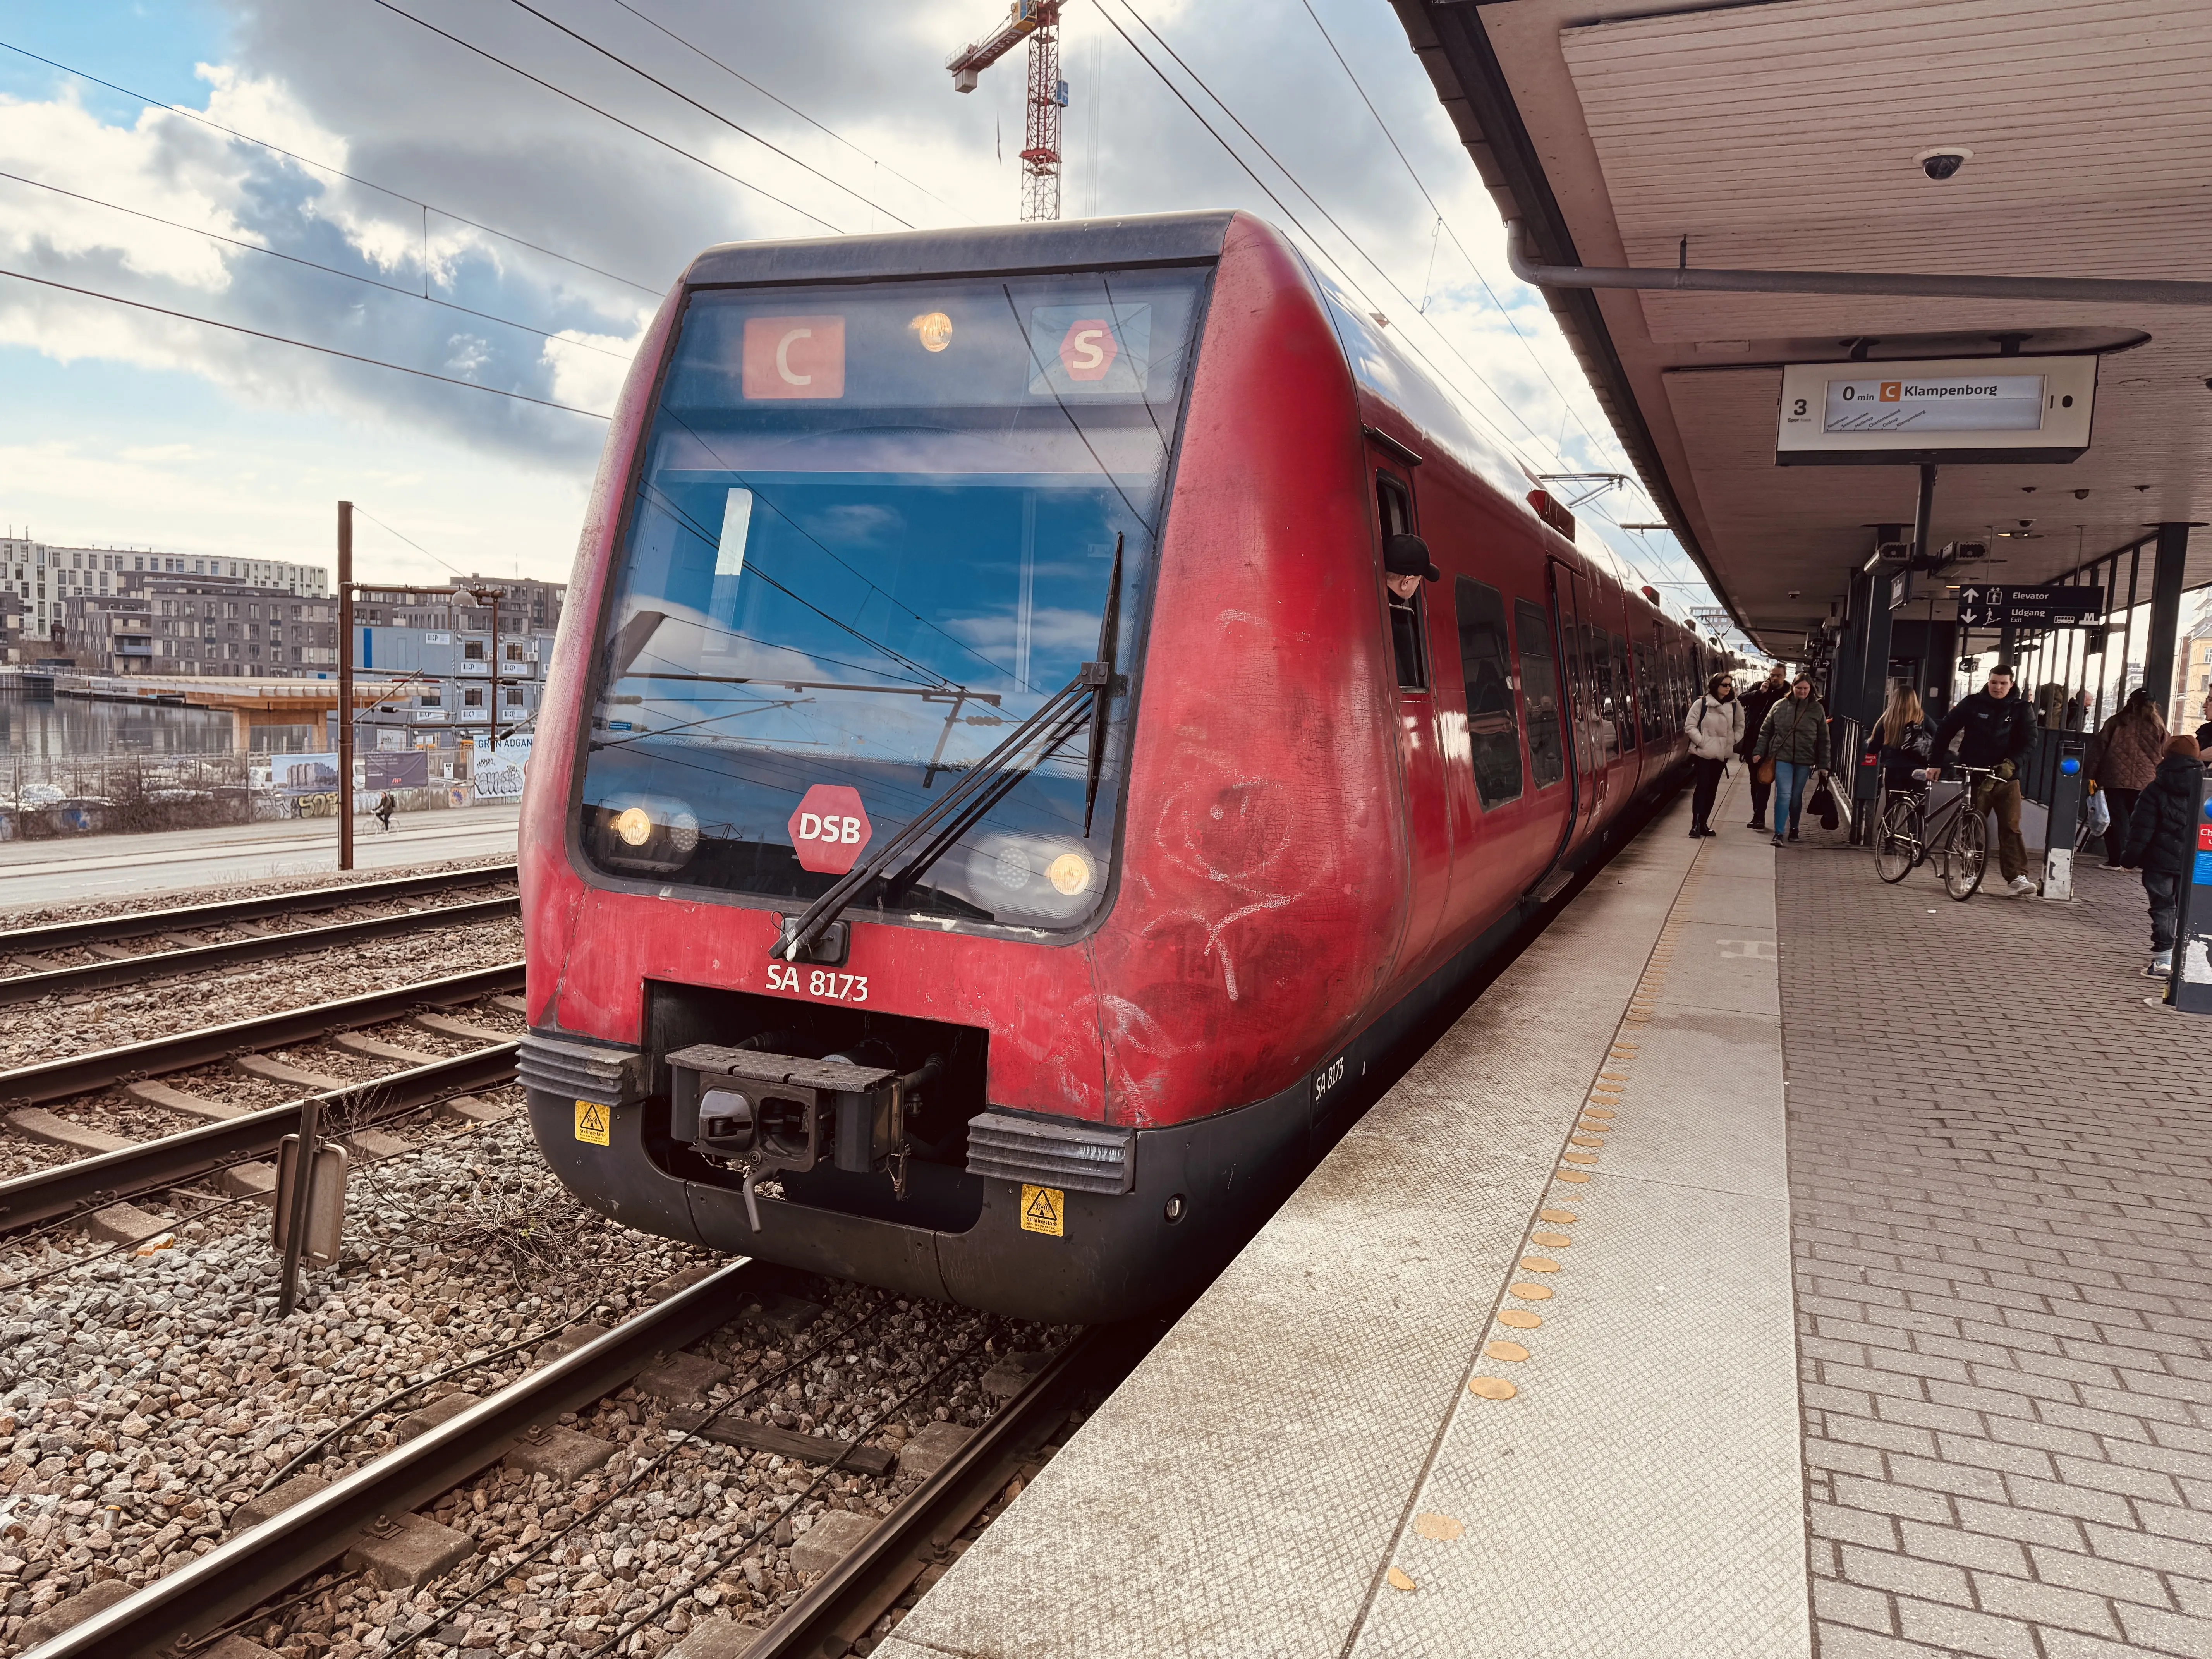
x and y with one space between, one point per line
1999 725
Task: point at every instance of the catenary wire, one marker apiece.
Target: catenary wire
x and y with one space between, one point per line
335 172
693 46
1392 139
1300 186
584 103
712 114
313 264
304 345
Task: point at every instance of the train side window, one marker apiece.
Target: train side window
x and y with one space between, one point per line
1485 660
1625 696
1650 698
1540 691
1409 617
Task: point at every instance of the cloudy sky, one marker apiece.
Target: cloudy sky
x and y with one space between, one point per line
480 226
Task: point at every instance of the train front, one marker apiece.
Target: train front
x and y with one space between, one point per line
825 663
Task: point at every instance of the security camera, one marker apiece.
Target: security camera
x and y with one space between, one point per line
1943 160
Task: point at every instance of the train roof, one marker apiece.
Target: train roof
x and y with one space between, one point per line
1132 239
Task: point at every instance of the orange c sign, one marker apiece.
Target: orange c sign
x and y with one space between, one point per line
795 357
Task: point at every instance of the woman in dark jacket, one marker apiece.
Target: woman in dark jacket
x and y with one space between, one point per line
2161 842
2128 750
1756 703
1903 739
1795 737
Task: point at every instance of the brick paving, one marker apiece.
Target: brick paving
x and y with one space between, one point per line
2001 1168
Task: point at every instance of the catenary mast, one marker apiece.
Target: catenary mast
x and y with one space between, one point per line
1038 22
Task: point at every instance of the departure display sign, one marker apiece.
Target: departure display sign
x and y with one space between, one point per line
1951 411
1948 402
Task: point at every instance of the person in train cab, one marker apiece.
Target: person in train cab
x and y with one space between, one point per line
1794 735
2127 752
2162 841
1902 740
1758 703
2205 732
1999 725
1715 723
1406 566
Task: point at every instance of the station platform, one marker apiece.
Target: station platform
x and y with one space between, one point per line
1769 1255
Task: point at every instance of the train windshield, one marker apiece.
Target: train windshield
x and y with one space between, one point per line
875 529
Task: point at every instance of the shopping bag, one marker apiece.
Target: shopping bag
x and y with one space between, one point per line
2097 812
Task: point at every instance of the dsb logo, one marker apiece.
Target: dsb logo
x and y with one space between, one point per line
829 828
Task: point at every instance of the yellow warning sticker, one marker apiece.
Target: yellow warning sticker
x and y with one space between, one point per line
591 1122
1044 1209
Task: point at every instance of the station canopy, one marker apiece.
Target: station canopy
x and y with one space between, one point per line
1787 136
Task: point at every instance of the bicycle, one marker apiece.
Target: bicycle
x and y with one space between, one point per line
1958 845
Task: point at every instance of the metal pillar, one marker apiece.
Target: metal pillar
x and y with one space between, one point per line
2164 612
345 689
2128 623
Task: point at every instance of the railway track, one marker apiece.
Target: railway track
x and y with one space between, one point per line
181 928
221 1590
238 1135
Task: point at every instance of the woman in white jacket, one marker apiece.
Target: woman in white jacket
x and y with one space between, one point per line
1715 723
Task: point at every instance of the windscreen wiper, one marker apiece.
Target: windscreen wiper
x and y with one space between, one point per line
1065 708
930 833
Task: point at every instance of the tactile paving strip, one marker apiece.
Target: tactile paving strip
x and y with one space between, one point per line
1249 1489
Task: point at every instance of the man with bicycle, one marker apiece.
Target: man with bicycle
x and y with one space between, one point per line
1999 725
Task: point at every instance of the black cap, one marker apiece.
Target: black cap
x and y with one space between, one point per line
1408 555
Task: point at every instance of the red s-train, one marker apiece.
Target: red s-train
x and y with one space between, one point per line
991 803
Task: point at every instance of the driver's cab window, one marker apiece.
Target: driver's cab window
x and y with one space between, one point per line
1408 631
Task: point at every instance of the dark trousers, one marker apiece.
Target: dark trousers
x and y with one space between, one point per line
2164 891
1706 777
1760 794
2122 805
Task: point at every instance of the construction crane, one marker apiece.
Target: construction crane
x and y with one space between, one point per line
1038 22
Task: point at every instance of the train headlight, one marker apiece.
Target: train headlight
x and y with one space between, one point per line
635 825
1070 873
682 832
1012 868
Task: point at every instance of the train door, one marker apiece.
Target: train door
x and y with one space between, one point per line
1427 812
1579 667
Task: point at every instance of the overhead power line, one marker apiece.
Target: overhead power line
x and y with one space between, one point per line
783 103
586 103
335 172
313 264
303 345
1403 161
711 114
1230 151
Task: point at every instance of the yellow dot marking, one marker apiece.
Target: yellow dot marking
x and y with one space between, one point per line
1562 1216
1595 1126
1519 1318
1575 1175
1538 1264
1492 1387
1597 1111
1552 1241
1437 1526
1579 1158
1608 1076
1512 1352
1531 1292
1397 1580
1585 1140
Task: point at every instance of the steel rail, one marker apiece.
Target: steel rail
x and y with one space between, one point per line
89 1184
27 1085
184 917
240 1574
846 1603
96 976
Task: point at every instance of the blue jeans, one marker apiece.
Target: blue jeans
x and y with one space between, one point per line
1789 781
